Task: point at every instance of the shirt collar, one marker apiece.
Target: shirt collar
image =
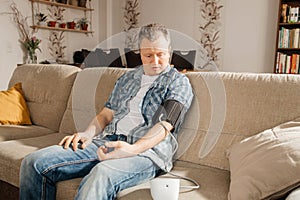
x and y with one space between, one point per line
140 71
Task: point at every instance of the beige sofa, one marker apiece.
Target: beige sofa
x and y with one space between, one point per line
227 108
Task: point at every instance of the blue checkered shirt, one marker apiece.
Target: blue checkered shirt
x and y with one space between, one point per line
170 85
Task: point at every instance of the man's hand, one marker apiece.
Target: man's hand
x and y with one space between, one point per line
121 150
75 139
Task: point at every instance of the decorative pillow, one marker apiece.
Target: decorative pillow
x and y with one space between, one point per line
13 108
266 165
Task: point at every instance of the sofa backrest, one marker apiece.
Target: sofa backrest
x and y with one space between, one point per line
231 107
46 89
227 108
90 92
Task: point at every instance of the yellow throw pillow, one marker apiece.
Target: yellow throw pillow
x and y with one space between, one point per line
13 108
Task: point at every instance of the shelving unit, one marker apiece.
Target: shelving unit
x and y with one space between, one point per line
51 3
287 51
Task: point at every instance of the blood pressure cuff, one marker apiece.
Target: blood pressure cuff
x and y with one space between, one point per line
170 111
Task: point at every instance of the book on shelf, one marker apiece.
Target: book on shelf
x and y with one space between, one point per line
289 38
287 63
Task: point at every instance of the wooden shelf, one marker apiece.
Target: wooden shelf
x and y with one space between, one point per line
60 29
62 5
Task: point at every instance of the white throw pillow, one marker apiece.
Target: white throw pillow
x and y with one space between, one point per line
266 165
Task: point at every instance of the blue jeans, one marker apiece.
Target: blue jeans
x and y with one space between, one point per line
41 170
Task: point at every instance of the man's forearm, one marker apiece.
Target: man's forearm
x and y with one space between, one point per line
99 123
154 136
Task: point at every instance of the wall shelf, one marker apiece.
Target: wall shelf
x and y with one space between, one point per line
62 5
60 29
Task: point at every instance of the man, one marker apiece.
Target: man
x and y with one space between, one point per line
129 141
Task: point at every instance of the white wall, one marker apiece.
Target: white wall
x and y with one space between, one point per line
248 32
11 53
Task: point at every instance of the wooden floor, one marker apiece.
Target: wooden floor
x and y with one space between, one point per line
8 192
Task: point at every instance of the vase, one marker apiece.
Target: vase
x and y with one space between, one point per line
32 57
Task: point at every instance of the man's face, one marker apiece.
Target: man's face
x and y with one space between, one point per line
155 55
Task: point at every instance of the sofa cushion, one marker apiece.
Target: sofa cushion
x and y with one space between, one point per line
13 132
267 165
13 106
12 152
233 106
90 92
214 184
46 89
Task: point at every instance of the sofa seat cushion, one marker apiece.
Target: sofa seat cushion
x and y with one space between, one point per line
12 152
214 185
14 132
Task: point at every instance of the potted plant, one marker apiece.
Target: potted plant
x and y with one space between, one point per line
42 18
83 23
62 25
51 23
71 25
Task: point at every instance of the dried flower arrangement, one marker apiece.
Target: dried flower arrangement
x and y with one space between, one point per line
30 43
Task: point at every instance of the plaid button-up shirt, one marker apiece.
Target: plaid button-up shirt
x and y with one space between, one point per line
170 85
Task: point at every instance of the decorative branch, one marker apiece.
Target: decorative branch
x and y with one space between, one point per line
131 23
22 24
56 47
210 34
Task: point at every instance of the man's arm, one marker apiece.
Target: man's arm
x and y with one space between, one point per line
96 126
123 149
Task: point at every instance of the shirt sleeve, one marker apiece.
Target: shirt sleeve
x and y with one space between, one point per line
114 100
180 90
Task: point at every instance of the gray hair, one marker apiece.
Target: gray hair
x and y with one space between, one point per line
152 32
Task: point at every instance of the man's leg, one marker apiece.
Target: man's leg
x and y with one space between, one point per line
42 169
109 177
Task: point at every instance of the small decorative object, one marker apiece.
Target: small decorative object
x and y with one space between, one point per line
32 44
51 23
71 25
82 3
61 1
41 17
83 23
73 2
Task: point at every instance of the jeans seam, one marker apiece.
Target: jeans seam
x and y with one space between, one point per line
67 163
44 188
